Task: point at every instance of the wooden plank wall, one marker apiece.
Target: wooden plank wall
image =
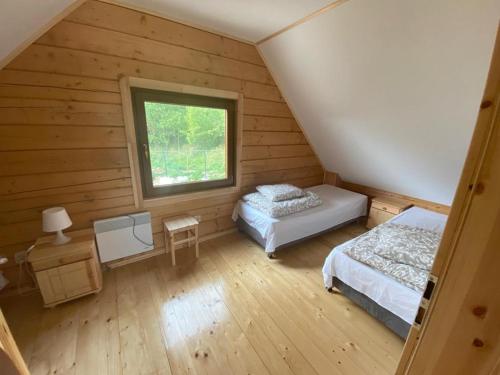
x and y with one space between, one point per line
62 131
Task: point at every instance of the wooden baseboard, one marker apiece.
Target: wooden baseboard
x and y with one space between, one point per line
334 179
134 258
162 250
218 234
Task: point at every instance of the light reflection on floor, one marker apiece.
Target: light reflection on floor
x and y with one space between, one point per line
184 317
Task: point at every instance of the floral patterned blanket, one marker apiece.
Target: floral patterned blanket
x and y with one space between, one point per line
282 208
402 252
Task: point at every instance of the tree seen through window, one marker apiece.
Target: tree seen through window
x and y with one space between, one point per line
186 143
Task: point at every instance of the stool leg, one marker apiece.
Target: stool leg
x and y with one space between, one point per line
172 249
196 241
166 241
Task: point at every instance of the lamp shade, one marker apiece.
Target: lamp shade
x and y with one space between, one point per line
55 219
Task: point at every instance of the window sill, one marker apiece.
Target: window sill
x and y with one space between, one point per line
155 202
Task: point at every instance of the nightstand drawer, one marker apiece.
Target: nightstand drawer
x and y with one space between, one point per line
384 206
45 255
76 256
378 217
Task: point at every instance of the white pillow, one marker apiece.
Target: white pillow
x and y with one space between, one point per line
280 192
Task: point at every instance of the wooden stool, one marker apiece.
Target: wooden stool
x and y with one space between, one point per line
175 225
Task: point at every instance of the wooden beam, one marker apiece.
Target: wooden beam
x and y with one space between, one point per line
302 20
177 20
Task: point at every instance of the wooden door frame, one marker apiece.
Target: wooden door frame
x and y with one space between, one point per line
11 360
458 330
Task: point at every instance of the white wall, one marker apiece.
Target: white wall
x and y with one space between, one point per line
21 20
388 91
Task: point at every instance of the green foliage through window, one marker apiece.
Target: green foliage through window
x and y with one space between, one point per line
186 143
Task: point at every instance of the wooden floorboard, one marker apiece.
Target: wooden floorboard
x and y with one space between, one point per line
233 311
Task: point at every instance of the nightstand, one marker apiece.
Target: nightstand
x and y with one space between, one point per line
68 271
383 209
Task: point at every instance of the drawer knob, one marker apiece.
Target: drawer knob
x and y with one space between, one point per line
384 208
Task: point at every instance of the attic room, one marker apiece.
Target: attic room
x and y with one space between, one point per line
230 187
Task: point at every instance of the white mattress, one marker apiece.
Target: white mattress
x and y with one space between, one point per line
339 206
387 292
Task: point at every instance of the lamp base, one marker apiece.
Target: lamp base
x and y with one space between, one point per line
61 238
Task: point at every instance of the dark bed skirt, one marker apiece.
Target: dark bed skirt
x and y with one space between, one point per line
389 319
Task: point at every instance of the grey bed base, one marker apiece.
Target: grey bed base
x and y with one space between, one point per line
243 226
390 320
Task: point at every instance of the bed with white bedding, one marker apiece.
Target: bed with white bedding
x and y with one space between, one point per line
393 296
339 207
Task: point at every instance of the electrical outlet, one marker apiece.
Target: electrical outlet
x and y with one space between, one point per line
20 257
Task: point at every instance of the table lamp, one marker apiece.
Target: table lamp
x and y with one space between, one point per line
56 219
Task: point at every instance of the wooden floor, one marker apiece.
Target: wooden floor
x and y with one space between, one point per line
231 312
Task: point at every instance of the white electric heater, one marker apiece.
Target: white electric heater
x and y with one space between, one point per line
123 236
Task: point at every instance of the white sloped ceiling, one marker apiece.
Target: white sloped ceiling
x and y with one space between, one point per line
248 20
388 91
22 20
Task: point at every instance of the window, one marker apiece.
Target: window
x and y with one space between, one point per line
185 142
